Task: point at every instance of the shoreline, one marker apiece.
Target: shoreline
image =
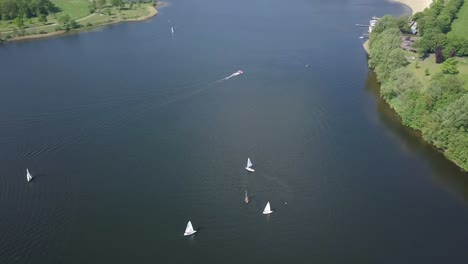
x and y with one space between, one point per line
152 12
415 5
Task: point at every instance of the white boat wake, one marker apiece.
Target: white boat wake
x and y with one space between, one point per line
239 72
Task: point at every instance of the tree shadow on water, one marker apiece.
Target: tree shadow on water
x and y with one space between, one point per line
443 170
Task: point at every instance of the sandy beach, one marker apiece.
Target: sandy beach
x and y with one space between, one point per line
416 5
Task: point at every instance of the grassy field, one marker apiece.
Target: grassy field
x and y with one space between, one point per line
429 63
78 10
460 24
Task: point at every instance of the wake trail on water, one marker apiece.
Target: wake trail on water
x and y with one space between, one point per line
239 72
135 98
144 108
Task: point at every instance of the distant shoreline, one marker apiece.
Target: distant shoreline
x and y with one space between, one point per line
414 5
152 12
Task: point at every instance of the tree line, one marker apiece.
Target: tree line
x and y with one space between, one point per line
12 9
439 109
434 23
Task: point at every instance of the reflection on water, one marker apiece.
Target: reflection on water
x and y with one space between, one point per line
442 170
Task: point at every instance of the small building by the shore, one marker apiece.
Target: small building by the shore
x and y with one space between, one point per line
414 27
372 23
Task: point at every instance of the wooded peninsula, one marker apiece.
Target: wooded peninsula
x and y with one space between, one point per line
424 76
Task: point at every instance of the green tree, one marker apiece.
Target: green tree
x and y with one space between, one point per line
43 19
384 23
100 3
19 22
117 3
92 7
63 19
73 24
450 66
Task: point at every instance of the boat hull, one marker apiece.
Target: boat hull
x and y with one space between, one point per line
190 233
249 169
265 213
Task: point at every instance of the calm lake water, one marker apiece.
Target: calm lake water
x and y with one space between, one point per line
130 136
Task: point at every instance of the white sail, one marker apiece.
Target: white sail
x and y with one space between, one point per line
189 229
249 166
28 175
172 30
267 209
249 163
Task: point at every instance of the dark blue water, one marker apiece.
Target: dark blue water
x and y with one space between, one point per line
130 135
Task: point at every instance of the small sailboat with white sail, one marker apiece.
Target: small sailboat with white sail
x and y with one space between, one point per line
267 209
189 229
249 166
246 199
172 31
28 176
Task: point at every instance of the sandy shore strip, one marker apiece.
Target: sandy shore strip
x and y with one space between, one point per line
152 12
415 5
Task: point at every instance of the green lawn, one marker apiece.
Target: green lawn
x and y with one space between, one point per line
429 63
75 8
460 24
78 10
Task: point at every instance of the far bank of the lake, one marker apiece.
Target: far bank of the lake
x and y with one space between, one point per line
92 21
454 151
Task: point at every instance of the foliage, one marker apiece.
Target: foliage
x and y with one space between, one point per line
459 25
92 7
117 3
43 18
12 9
457 45
440 108
387 22
450 66
19 22
385 52
100 3
434 23
63 19
73 24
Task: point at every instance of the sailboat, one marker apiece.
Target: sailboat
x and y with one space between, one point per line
172 30
189 229
249 165
28 175
246 199
267 209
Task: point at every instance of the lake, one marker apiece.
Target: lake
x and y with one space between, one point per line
131 132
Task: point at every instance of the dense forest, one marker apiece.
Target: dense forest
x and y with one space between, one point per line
439 109
11 9
434 23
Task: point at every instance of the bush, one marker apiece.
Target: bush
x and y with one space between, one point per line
450 66
74 24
